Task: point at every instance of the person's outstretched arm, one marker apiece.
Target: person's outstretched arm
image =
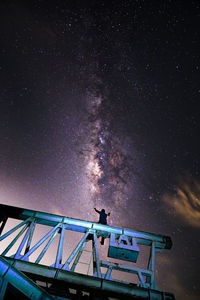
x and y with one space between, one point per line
97 210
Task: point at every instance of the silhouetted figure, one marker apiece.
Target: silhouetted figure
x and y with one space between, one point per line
102 220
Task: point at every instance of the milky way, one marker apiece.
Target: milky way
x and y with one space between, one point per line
109 160
99 107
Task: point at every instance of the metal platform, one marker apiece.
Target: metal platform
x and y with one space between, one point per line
123 247
34 236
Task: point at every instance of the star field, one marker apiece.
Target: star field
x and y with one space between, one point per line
99 107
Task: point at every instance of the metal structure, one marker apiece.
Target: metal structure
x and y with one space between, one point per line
24 271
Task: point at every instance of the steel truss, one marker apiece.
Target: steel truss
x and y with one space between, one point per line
61 276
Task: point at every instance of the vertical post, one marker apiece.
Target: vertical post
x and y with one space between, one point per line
141 278
151 266
78 257
17 255
3 224
32 227
108 273
96 262
75 251
60 248
47 246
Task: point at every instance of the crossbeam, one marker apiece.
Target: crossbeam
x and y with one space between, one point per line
144 238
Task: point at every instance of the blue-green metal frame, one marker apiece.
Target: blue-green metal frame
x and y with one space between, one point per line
59 224
9 274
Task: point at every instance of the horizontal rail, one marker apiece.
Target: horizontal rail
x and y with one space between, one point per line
6 211
128 269
89 283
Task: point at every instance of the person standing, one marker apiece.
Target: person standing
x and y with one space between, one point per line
102 220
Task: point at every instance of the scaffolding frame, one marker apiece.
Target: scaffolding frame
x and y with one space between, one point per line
66 270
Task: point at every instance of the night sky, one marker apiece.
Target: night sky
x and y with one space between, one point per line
100 107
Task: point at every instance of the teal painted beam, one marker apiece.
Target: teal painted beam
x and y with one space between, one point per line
8 273
162 242
88 283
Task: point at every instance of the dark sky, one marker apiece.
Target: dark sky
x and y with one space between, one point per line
99 107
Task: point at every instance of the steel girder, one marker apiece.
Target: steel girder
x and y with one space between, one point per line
94 285
121 239
12 275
